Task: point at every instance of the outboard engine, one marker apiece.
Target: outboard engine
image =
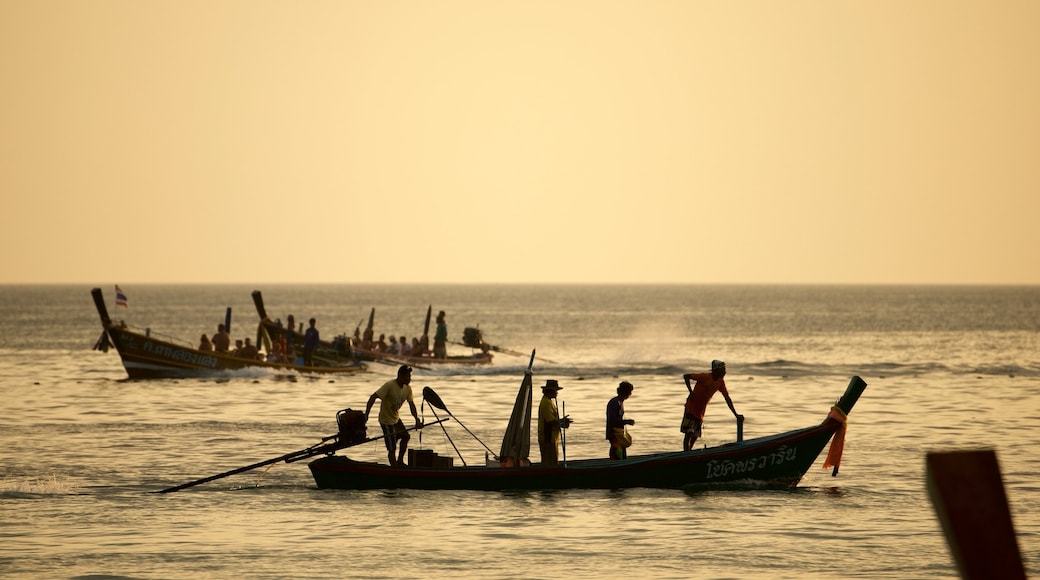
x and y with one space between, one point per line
351 425
473 338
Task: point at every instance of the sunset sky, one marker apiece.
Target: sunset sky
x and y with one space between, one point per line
543 142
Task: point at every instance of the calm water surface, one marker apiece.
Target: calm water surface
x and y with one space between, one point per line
947 368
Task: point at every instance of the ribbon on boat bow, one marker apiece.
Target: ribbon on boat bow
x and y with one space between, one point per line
838 442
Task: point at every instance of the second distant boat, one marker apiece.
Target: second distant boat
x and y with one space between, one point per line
344 347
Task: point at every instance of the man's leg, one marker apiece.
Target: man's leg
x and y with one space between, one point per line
696 432
388 440
549 453
404 447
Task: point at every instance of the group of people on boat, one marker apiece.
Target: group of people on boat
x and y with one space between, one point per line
221 341
402 347
284 347
704 387
417 346
281 348
701 389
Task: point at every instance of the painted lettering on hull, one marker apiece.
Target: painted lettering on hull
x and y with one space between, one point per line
728 467
180 355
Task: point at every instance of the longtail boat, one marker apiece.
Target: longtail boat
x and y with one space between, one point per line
344 347
776 460
147 356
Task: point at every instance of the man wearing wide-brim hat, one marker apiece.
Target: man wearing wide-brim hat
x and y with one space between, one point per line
550 424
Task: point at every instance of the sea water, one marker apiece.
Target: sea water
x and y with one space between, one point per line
84 449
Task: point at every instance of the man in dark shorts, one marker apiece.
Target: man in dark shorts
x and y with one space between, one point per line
619 439
705 387
392 395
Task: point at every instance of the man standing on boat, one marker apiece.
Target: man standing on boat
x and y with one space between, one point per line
619 439
550 424
392 395
706 384
310 344
221 340
440 338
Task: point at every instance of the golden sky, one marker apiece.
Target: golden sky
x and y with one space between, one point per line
544 142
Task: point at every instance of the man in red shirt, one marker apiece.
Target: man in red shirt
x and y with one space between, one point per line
706 384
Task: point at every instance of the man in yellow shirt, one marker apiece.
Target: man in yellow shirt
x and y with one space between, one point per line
550 424
392 395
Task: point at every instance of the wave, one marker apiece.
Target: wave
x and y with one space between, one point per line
779 368
34 487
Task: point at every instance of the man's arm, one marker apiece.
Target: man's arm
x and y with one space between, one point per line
415 413
729 402
371 401
686 379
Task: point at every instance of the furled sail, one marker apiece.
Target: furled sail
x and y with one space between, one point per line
516 443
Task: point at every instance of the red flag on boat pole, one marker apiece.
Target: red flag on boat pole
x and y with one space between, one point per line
120 297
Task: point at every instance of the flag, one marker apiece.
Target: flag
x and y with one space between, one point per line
120 297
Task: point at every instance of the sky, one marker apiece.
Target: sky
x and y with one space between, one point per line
819 142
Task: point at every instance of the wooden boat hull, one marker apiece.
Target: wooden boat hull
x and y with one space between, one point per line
777 460
780 460
145 357
148 357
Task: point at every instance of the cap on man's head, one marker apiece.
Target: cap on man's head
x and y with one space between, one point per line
717 365
552 385
404 369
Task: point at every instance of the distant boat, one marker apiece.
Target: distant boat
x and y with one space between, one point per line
344 347
146 356
775 460
477 358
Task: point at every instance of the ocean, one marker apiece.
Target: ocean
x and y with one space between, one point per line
84 448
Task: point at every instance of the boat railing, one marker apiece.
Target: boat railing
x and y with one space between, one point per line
147 331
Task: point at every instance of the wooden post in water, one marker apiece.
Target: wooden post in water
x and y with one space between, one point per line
968 494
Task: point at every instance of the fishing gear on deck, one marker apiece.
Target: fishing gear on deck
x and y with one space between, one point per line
436 402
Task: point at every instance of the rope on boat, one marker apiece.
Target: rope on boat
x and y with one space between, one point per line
838 442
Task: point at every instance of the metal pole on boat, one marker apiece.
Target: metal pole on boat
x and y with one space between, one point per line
316 449
563 413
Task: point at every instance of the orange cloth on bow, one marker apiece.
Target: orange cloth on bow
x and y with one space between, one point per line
838 442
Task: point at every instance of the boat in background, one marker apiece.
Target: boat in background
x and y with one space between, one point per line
344 347
477 358
778 460
146 356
